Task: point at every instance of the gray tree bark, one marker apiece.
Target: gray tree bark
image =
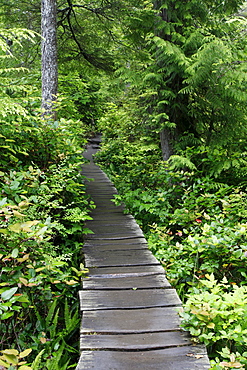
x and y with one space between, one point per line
166 141
49 68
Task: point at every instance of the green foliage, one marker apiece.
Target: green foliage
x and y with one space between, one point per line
178 66
14 87
81 98
215 314
40 259
194 225
12 359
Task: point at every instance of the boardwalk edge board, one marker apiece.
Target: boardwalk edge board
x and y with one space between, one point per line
129 310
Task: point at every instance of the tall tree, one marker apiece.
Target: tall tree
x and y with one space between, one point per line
49 55
183 33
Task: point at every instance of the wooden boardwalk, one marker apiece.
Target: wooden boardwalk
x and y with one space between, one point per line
129 310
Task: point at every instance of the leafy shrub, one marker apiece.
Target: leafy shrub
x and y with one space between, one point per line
40 258
196 226
215 314
41 225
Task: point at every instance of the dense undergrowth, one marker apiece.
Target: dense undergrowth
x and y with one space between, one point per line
196 226
42 210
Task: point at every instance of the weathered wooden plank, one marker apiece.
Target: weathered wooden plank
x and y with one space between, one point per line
145 269
113 237
92 184
107 234
136 342
107 220
95 180
122 281
127 275
147 320
125 223
134 241
101 245
186 358
95 188
117 232
100 204
120 258
114 228
108 217
104 211
122 299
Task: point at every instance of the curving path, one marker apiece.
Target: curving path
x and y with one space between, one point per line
129 310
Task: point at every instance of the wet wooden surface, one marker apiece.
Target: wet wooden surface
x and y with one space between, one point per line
148 320
135 298
122 281
129 310
177 358
119 258
134 342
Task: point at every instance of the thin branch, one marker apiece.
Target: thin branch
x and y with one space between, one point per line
97 11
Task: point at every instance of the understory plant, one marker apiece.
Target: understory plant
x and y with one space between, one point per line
196 225
215 314
42 212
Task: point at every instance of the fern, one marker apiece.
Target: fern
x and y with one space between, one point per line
54 362
37 361
50 313
8 68
180 162
53 327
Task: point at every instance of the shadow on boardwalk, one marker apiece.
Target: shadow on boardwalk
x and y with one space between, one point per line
129 309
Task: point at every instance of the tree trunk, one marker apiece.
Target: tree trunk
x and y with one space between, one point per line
166 141
49 56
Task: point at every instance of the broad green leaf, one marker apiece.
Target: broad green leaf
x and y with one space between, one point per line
71 282
30 223
25 353
14 185
7 315
24 258
12 359
4 364
3 202
23 281
18 214
23 204
20 298
16 228
14 253
10 352
8 293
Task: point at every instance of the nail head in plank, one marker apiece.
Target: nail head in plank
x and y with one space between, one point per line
126 282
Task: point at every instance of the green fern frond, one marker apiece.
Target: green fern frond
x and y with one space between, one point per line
53 328
49 316
180 162
54 362
153 77
67 315
37 361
